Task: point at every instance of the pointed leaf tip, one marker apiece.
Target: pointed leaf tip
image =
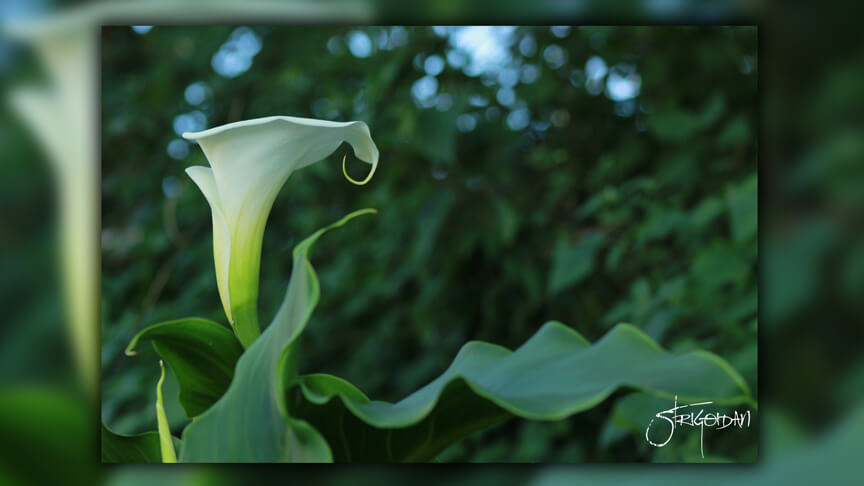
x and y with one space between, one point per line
166 443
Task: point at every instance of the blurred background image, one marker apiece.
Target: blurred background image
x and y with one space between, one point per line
592 175
812 366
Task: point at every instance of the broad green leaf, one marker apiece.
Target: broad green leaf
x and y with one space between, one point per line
672 124
736 132
166 443
676 124
305 444
457 413
573 262
248 424
706 212
201 353
713 109
742 200
720 264
130 448
555 374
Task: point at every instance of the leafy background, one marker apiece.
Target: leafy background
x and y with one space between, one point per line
590 175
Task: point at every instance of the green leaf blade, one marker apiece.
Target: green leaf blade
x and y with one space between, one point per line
250 423
574 262
166 442
201 353
119 448
555 374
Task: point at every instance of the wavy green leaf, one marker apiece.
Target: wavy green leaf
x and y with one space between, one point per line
121 448
553 375
248 424
201 353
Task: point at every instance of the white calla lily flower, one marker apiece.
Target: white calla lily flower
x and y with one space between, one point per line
249 163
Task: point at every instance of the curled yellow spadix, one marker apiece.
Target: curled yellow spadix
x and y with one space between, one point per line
354 181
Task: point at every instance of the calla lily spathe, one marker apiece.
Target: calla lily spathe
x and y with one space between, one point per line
249 163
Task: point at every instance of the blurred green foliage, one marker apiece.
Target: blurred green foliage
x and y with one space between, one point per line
29 288
590 175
